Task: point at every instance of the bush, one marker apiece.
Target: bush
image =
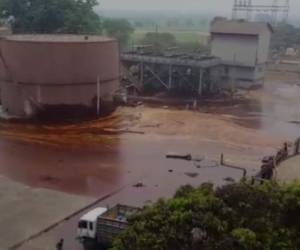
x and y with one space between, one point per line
236 216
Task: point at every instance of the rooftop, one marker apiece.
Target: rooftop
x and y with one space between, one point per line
94 214
64 38
239 27
201 61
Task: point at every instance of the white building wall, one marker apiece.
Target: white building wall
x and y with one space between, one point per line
263 46
241 49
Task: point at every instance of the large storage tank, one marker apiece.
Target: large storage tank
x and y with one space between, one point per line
58 75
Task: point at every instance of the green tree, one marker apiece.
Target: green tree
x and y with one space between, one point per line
233 217
120 29
51 16
285 35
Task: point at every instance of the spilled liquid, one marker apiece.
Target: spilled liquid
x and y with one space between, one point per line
96 157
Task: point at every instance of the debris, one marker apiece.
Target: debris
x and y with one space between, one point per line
198 159
123 131
139 185
295 122
229 179
152 126
48 178
171 170
187 157
192 175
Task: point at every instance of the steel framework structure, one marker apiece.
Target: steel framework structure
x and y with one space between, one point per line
245 9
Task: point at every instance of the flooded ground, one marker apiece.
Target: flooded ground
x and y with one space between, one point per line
94 157
98 157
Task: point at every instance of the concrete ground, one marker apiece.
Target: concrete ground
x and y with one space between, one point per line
26 211
289 170
129 195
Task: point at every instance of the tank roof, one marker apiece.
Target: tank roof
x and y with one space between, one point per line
64 38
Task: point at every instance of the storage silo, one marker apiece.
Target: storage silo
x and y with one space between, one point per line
58 75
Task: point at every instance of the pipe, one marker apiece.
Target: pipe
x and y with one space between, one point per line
222 162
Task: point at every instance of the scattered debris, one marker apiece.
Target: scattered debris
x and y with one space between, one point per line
48 178
295 122
123 131
187 157
192 175
152 126
229 179
139 185
199 159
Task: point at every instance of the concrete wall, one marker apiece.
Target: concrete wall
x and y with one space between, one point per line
243 77
244 56
263 46
235 48
26 99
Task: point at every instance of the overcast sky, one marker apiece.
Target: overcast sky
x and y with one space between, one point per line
217 6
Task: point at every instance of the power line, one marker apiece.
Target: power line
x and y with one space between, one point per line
278 10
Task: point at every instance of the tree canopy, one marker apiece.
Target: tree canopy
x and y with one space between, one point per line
119 28
233 217
286 35
51 16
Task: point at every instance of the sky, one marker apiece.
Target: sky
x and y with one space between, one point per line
211 6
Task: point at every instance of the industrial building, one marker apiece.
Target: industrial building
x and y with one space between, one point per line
194 74
58 75
239 52
243 48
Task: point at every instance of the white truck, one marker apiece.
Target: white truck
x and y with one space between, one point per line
101 225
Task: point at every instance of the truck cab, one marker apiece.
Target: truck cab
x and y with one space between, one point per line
87 225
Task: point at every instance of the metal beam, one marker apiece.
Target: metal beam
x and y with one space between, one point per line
200 89
142 73
157 77
170 76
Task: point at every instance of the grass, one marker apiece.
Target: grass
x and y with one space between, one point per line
182 36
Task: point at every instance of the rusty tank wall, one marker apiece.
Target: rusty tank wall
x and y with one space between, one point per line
55 71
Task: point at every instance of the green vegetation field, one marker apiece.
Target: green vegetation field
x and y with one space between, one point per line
182 36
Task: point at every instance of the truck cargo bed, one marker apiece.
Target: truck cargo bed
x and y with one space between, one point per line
112 222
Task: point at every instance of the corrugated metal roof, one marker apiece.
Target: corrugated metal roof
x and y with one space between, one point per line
239 27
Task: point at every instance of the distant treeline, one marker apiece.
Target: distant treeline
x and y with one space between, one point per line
285 36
